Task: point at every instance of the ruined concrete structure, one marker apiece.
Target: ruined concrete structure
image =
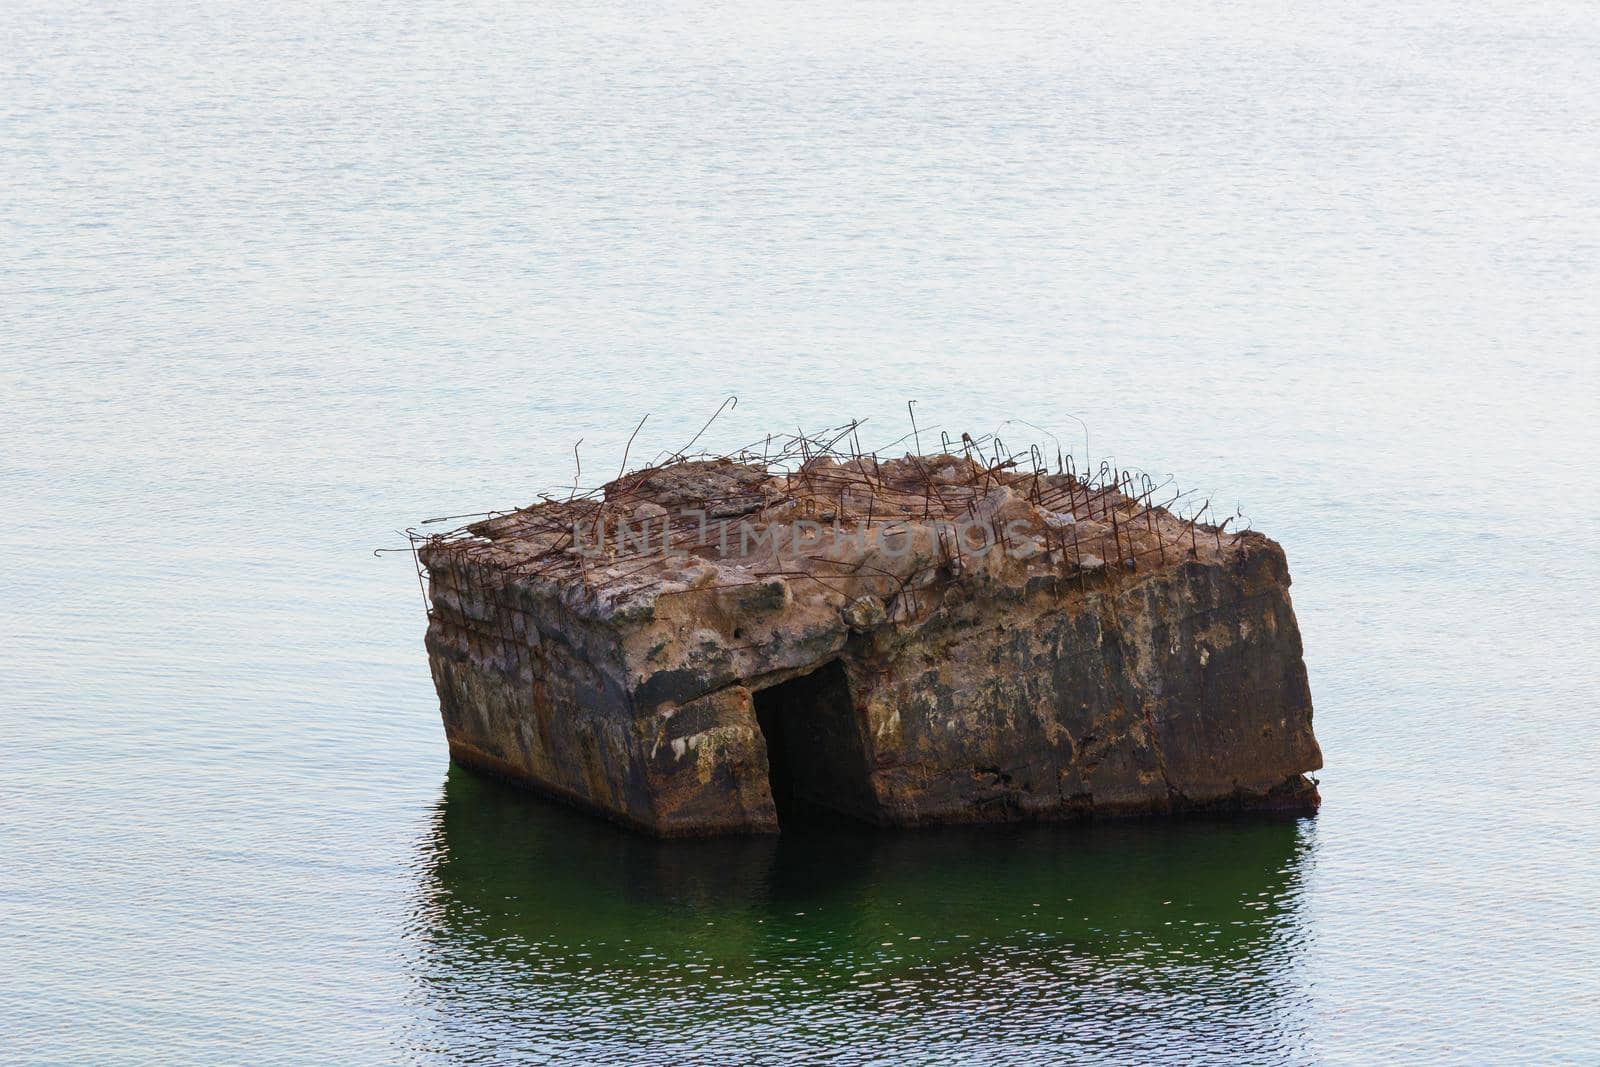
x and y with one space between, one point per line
720 645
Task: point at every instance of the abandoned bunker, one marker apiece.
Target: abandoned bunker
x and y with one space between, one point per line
735 644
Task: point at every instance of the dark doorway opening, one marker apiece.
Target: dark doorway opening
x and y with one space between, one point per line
816 748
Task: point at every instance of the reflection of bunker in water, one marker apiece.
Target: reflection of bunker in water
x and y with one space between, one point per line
502 870
536 923
720 646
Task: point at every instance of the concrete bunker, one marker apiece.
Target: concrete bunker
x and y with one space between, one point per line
816 755
1094 652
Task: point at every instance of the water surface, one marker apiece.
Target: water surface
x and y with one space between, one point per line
281 281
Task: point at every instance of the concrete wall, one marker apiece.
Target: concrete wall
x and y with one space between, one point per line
1176 689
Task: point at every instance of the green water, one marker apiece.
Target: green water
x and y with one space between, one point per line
713 938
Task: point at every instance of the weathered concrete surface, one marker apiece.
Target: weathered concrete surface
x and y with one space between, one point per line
875 667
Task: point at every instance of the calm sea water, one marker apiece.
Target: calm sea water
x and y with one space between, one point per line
280 280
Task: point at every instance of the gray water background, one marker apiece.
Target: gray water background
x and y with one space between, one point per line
279 281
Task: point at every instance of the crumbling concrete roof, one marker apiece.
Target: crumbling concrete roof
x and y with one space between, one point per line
874 536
